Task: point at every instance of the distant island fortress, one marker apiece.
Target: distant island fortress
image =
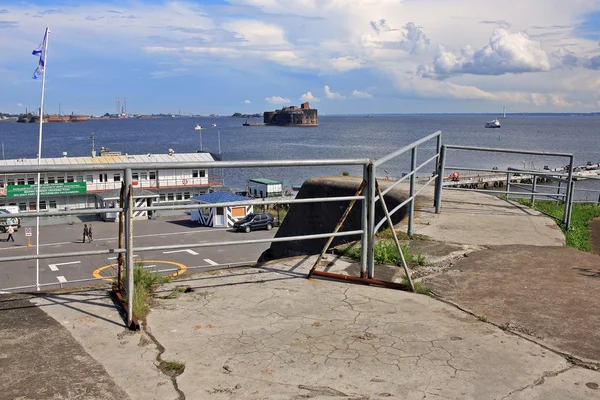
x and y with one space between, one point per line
292 116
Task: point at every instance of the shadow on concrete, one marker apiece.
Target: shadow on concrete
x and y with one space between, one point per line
588 272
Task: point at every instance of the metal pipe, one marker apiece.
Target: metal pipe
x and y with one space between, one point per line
496 150
405 202
438 153
411 207
404 149
371 218
129 246
62 255
570 207
569 199
533 187
558 192
508 175
398 247
497 192
337 228
440 181
365 281
411 174
364 226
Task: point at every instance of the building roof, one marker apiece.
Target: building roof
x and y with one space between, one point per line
219 197
265 181
115 194
125 158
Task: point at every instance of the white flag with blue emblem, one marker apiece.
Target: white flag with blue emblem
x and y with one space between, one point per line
41 52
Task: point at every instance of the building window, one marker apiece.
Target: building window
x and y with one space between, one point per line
170 196
89 178
30 180
22 206
1 183
195 173
50 179
20 181
152 174
100 175
186 195
42 204
179 196
79 178
10 181
60 179
143 176
162 197
32 206
135 176
70 178
52 204
42 180
117 178
202 173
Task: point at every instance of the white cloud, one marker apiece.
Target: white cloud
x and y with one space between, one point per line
19 104
308 96
277 100
362 95
332 95
507 52
409 38
246 102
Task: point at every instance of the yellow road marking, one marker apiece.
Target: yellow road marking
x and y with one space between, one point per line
182 268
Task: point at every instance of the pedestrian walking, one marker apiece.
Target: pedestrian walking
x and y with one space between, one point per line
86 232
10 230
90 238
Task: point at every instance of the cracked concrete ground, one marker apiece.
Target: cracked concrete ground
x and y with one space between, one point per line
269 333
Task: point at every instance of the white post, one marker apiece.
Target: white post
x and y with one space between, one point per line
37 200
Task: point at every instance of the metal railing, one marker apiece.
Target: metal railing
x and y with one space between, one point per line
511 172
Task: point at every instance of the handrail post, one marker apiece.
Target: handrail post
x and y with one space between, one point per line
129 244
558 193
439 183
572 190
438 149
411 207
569 198
508 176
371 222
533 188
364 242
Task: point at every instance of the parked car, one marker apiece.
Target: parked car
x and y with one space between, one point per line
254 221
5 222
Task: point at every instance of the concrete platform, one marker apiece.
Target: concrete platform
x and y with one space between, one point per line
269 333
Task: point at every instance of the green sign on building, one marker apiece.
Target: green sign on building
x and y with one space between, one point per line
47 189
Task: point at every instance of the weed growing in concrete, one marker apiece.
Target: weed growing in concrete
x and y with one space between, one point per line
346 173
387 234
483 318
578 236
175 293
505 327
172 368
386 252
144 281
419 287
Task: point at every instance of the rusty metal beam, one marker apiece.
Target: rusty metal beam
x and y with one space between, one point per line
364 281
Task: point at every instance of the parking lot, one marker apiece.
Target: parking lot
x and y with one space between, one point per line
64 238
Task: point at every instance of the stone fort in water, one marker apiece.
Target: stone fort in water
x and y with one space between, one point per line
292 116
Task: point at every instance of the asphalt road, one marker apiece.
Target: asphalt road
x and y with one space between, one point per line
167 231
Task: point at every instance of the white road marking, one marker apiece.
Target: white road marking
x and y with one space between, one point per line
61 279
135 236
114 258
211 262
54 267
192 252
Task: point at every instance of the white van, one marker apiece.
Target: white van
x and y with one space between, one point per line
4 222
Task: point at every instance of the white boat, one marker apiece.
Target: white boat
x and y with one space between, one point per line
493 123
214 125
197 127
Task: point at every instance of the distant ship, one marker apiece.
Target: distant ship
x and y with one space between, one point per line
493 123
197 127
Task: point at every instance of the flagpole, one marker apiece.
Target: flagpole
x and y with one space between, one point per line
37 201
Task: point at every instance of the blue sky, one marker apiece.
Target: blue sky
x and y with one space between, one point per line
345 56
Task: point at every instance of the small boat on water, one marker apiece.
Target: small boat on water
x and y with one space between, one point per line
493 123
197 127
214 125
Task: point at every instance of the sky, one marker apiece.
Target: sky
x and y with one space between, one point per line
343 56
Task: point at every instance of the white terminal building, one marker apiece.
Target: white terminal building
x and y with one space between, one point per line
77 189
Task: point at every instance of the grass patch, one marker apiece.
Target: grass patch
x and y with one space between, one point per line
385 252
144 281
483 318
387 234
172 368
279 211
419 287
175 293
578 236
